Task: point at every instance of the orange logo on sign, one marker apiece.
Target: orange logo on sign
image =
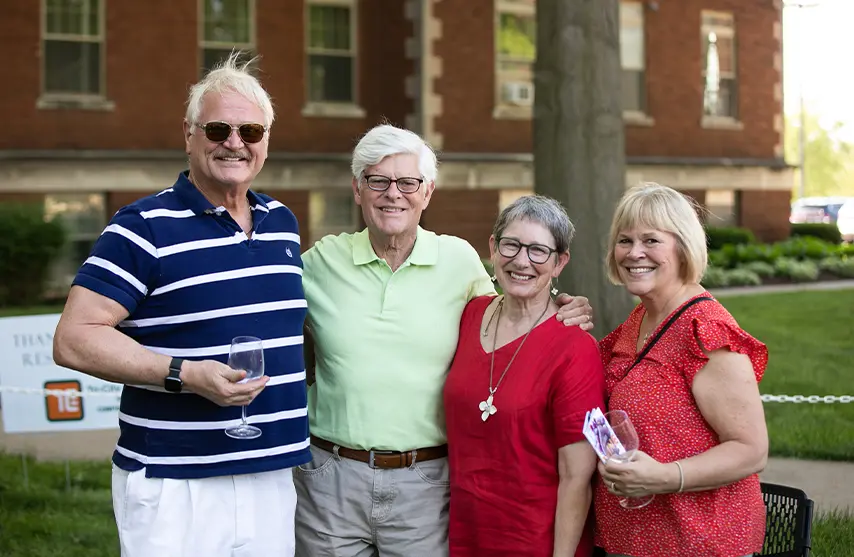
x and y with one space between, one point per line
63 408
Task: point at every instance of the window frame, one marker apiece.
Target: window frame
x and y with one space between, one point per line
68 99
251 46
503 110
317 230
637 116
324 108
726 121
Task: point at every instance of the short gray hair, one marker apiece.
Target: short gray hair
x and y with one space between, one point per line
230 75
386 140
661 208
542 210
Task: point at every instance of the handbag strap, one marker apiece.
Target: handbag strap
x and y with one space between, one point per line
664 328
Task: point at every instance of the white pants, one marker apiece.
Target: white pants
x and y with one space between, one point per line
250 515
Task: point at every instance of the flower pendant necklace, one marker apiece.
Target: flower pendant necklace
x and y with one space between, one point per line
486 407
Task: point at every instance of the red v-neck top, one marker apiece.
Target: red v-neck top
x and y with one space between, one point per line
723 522
504 475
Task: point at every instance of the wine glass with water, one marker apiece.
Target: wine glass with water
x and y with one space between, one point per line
246 353
625 432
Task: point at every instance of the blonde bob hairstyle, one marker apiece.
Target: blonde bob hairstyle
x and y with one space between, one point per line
651 205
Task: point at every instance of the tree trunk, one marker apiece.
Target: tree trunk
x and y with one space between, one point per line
579 152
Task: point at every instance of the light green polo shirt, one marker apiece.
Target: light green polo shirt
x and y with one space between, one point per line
384 340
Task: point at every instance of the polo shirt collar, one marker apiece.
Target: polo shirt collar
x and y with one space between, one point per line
199 204
424 252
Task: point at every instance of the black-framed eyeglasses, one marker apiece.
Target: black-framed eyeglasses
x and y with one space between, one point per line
537 253
219 132
378 182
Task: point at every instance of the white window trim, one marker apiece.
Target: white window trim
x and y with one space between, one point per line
84 101
215 45
502 111
330 109
710 121
639 118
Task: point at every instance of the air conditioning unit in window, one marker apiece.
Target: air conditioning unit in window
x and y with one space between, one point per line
519 93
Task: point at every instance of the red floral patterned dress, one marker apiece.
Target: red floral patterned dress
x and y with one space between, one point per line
724 522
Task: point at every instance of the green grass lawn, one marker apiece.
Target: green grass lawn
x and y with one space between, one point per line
810 338
47 520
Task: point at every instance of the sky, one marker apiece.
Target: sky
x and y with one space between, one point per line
817 46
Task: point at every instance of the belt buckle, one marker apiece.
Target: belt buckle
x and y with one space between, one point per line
373 452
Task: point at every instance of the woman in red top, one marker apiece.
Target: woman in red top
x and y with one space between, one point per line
694 398
515 399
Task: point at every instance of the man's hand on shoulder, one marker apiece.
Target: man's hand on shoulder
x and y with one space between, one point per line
220 384
574 310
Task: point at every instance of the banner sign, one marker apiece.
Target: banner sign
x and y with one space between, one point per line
33 388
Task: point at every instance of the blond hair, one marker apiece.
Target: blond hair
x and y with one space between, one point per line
652 205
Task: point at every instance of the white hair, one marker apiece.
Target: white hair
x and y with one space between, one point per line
385 140
230 75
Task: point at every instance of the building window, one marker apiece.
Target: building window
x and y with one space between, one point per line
632 57
227 25
83 216
331 51
331 212
721 206
515 52
73 40
720 84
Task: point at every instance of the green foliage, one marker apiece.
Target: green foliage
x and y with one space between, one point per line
827 232
517 37
839 266
760 268
28 246
715 277
828 168
718 237
747 253
845 250
743 277
805 247
797 271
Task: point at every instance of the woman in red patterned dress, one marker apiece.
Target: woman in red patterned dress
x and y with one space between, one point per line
515 400
694 398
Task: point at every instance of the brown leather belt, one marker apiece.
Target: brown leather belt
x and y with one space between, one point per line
383 459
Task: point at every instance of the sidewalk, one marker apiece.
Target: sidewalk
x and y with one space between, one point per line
829 484
778 288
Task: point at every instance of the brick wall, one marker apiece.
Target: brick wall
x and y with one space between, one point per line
469 214
674 86
152 57
762 212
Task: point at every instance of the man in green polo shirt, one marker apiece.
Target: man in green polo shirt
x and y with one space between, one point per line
384 307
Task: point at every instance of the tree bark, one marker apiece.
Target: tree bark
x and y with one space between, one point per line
579 148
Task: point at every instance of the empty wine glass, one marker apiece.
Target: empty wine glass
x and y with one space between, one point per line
628 437
247 354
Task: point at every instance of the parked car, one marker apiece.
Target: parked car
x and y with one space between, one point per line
845 221
817 209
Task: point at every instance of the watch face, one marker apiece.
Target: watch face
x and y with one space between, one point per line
173 384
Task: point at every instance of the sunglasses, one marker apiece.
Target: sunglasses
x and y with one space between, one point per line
219 132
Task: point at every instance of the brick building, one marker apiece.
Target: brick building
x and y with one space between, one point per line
94 98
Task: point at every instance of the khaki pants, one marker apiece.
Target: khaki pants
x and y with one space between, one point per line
347 509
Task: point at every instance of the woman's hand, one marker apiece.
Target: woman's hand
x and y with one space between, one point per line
642 476
574 310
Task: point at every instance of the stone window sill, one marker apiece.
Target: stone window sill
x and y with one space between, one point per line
510 112
74 102
637 118
333 110
721 123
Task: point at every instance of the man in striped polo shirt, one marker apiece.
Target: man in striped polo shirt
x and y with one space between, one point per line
171 281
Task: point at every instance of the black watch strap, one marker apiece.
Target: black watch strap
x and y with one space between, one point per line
173 382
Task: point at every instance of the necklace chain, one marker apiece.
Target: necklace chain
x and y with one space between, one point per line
492 390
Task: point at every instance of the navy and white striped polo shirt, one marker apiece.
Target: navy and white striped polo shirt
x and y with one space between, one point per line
191 281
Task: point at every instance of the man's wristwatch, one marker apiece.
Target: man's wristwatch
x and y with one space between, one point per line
173 382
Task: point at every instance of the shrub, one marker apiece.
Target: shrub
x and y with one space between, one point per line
760 268
743 277
798 271
845 250
747 253
717 258
28 245
715 277
719 237
839 266
805 247
827 232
